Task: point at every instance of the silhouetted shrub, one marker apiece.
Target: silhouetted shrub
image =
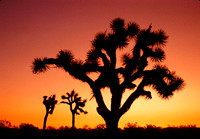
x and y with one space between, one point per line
101 127
86 127
5 124
188 126
27 126
150 126
131 125
50 128
64 128
130 130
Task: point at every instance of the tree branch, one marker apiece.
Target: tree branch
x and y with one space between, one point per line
113 59
102 108
105 60
126 106
137 93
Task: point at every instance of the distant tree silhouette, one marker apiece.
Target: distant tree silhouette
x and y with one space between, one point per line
75 103
49 103
147 47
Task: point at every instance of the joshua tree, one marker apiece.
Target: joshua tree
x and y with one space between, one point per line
73 98
50 105
135 73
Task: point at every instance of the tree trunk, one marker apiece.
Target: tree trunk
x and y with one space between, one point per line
112 123
45 120
73 120
112 117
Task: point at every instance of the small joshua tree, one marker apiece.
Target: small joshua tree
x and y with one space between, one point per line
49 103
72 98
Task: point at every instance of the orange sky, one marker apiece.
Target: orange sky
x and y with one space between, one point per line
34 28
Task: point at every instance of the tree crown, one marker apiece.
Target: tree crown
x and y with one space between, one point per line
148 47
72 98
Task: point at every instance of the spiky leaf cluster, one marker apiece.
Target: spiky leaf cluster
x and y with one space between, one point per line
50 103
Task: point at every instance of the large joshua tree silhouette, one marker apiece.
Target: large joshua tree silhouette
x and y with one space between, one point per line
49 103
147 47
76 104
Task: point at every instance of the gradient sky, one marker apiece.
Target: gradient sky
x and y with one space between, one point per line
35 28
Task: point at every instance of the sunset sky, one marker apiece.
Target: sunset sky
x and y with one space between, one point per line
40 28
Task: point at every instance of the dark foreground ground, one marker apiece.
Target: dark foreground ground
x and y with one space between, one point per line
131 132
